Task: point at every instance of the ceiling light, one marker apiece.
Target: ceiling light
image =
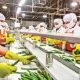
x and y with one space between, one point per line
44 16
18 10
4 7
21 2
74 4
23 14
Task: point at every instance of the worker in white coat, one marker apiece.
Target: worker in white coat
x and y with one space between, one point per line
58 26
3 29
70 23
23 29
42 27
71 26
3 23
6 68
31 28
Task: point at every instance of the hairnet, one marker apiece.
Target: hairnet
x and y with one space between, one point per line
58 20
70 17
31 27
43 24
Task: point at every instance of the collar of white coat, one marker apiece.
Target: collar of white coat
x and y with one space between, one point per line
60 30
76 27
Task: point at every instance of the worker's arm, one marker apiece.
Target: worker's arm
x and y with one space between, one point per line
6 68
3 51
14 56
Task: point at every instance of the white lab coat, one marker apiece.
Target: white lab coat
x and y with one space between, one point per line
24 30
60 30
75 30
42 30
45 30
31 30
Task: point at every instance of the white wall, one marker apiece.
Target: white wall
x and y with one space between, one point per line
29 23
26 23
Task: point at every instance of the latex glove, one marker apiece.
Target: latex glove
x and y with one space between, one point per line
78 46
14 56
76 55
6 69
9 39
76 51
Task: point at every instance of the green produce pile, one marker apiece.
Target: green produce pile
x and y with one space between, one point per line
39 75
42 44
64 56
68 59
76 55
77 52
16 62
58 52
78 61
24 52
21 47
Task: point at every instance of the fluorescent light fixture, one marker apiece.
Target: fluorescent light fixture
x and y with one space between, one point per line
74 4
18 10
21 2
4 7
23 14
44 16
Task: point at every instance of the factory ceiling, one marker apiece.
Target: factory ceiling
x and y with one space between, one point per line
34 9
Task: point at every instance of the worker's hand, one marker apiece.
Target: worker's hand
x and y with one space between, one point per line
78 46
26 59
6 69
9 39
14 56
76 51
76 55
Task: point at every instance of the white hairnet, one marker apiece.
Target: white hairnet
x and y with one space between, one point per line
59 21
2 17
43 24
31 27
23 28
69 17
42 27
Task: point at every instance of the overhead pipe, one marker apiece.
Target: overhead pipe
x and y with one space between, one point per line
38 7
30 6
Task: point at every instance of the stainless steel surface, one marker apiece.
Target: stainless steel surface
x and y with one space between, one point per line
66 37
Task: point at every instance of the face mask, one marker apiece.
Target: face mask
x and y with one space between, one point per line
57 25
69 25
